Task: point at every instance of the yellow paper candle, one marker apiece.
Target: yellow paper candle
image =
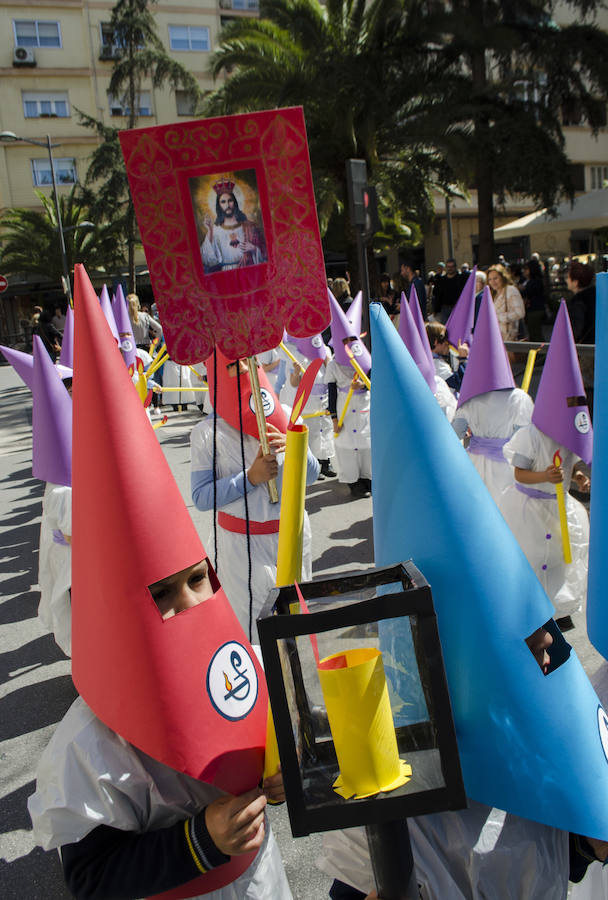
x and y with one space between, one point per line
357 367
291 525
525 382
361 722
347 400
563 518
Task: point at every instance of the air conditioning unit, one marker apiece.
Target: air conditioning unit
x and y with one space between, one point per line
24 56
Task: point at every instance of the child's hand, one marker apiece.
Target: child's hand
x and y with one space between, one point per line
463 349
273 788
263 468
554 474
276 438
337 427
236 824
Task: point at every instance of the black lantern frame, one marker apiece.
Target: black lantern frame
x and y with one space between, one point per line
281 623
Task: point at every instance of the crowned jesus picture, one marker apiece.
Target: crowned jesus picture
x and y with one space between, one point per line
228 219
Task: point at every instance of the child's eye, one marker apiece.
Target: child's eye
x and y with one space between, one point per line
159 595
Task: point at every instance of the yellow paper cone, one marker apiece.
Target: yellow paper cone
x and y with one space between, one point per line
271 754
361 722
289 557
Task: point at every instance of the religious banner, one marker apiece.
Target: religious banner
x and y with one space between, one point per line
227 217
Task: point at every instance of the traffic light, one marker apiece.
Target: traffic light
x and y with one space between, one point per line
362 198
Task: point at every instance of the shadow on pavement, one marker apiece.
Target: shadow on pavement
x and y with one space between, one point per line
36 705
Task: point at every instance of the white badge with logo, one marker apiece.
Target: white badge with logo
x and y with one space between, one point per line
232 681
126 345
581 422
267 402
356 348
316 341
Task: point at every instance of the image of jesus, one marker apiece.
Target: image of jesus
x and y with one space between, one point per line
232 240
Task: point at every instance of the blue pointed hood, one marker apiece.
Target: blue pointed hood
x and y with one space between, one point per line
529 744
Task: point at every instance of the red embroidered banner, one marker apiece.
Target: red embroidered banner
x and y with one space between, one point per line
227 217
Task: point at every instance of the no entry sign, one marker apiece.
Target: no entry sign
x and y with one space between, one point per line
3 283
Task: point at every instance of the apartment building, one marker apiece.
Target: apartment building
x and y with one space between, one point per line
56 58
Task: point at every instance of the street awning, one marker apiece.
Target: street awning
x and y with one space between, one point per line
588 212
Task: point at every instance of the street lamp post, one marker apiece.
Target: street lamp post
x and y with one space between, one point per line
9 137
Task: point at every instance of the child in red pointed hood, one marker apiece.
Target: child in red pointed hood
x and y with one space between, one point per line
229 472
150 783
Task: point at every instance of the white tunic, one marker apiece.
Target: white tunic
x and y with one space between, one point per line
320 428
177 376
232 548
473 854
224 250
55 564
535 522
89 776
445 398
353 443
494 415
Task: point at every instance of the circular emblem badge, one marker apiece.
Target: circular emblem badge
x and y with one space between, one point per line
602 723
316 341
267 402
232 682
356 348
581 422
126 345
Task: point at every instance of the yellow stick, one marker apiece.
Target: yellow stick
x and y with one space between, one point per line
290 355
183 390
192 369
160 424
563 518
358 368
525 382
157 347
273 492
349 397
159 360
321 412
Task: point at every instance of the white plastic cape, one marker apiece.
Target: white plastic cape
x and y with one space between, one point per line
495 414
445 398
353 444
55 564
473 854
88 776
231 547
535 523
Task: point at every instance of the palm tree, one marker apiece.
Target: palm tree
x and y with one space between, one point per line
359 82
29 239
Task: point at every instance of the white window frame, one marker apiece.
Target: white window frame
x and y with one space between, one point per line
36 23
190 48
183 99
244 5
42 164
115 103
597 176
40 97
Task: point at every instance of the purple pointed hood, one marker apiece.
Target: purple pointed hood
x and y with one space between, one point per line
107 311
343 327
460 321
66 357
51 421
416 312
560 408
126 341
419 351
23 364
488 367
311 347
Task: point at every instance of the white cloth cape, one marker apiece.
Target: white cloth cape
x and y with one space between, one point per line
89 776
353 444
177 376
473 854
495 414
55 565
232 548
445 398
535 522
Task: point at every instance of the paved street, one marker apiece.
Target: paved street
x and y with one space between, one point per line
35 684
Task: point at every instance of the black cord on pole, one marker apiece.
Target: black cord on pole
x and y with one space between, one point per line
215 456
238 382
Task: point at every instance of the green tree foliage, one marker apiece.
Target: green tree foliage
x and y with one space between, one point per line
142 59
346 62
433 95
29 239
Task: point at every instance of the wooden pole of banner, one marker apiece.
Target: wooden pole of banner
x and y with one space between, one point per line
261 420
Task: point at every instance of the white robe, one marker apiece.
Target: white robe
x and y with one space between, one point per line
224 249
445 398
177 376
320 428
89 776
473 854
353 443
498 415
231 547
535 522
55 565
